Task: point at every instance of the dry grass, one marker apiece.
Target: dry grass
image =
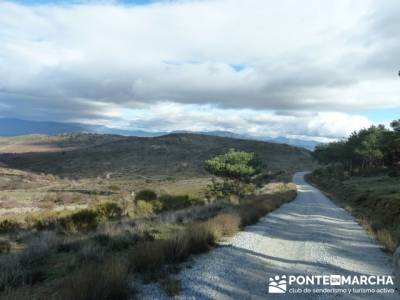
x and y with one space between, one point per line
90 252
27 267
108 281
384 236
150 249
225 224
202 236
147 257
199 237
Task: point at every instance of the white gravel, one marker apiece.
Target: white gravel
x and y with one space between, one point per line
307 236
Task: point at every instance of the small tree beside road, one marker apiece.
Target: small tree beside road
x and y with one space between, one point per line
235 167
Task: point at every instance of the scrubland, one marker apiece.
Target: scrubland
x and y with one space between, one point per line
94 238
89 216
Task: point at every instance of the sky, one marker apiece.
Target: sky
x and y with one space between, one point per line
313 70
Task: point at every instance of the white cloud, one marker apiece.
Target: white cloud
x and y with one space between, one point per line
168 116
313 63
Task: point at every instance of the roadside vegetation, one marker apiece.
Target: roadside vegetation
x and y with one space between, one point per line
363 174
101 245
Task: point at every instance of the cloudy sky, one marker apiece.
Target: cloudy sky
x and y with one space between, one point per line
311 69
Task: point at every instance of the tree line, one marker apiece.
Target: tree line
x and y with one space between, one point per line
373 147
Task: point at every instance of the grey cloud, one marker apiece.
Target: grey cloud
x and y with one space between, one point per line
38 108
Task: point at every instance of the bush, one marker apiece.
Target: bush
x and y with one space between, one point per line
176 248
83 220
174 202
8 226
218 190
114 187
44 221
108 281
225 224
146 195
201 237
143 208
250 213
109 210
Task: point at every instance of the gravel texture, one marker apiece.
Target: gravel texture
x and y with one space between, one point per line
308 236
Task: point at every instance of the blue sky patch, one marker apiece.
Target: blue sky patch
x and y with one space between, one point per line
382 115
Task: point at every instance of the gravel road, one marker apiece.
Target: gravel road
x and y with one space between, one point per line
308 236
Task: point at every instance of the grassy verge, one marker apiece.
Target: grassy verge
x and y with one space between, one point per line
374 201
103 261
200 236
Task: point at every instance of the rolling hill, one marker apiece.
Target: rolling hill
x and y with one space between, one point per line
181 155
16 127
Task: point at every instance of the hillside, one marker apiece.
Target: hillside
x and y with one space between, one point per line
16 127
53 143
90 155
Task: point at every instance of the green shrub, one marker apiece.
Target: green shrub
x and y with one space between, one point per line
146 195
157 205
143 208
109 210
174 202
82 220
218 190
248 189
44 221
114 187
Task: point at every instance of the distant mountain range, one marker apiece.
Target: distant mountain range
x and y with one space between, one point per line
15 127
